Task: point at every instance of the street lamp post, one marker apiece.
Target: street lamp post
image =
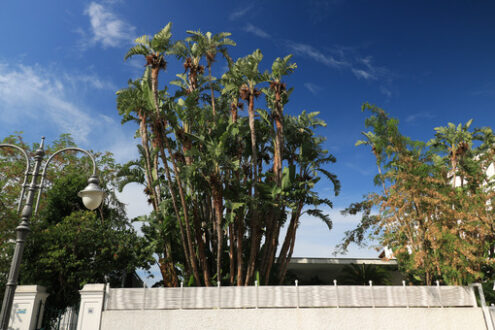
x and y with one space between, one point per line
92 197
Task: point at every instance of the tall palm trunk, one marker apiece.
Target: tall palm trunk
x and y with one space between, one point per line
143 132
279 137
201 246
272 235
283 257
166 264
211 90
154 87
254 213
217 194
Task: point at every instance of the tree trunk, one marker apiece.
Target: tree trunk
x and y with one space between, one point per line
254 213
143 132
201 247
186 214
216 191
231 254
154 87
282 257
240 236
289 256
211 90
279 137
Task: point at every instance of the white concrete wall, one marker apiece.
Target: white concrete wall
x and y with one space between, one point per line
310 318
90 308
27 307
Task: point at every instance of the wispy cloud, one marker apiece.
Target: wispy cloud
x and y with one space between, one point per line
256 31
486 90
417 116
365 68
106 28
314 89
91 80
315 54
346 58
360 73
240 12
385 91
34 95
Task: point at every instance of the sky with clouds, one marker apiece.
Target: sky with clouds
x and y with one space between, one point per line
425 62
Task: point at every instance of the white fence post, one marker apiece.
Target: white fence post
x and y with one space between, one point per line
181 294
28 307
486 312
107 296
91 306
405 293
297 292
439 293
257 293
219 293
144 296
336 292
372 296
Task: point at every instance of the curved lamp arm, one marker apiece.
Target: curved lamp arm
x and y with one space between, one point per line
26 173
93 176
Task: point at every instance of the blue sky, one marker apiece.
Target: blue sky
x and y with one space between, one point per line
425 62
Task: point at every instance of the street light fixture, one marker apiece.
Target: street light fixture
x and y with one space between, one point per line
92 196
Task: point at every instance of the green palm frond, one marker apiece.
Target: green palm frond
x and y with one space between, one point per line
137 50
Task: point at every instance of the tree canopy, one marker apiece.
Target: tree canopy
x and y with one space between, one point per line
68 245
222 185
434 211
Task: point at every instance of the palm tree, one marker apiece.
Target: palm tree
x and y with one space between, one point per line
304 152
456 141
209 45
232 81
249 69
130 100
154 50
277 97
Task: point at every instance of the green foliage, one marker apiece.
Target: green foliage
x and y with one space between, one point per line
219 196
68 245
433 212
362 274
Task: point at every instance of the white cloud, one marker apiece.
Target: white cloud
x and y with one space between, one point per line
417 116
52 101
135 200
91 80
314 89
366 69
385 91
345 58
33 94
315 54
256 31
359 73
240 12
106 27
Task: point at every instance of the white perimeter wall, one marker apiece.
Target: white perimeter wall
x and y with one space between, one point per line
304 318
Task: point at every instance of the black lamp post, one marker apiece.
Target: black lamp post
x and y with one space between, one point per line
92 197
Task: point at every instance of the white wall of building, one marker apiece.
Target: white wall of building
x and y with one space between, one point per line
310 318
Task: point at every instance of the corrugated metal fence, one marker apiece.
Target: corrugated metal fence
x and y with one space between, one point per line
289 297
